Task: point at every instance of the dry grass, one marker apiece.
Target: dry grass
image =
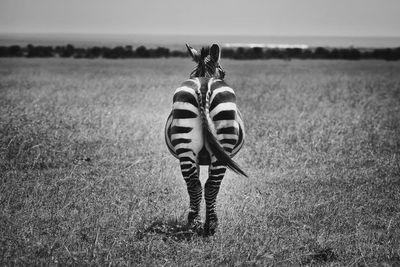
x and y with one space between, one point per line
86 177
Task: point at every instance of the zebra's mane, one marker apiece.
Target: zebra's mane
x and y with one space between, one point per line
206 64
204 52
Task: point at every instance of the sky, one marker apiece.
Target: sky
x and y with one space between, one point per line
203 17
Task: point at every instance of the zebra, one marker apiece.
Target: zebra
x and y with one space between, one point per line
205 127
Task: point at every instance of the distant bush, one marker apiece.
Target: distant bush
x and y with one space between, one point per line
39 51
119 52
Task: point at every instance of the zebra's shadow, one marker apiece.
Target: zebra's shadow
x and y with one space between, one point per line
171 229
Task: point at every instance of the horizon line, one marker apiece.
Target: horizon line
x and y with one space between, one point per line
191 34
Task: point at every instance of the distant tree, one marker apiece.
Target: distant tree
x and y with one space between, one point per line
94 52
294 52
3 51
15 51
385 53
334 54
396 53
39 51
159 52
321 52
228 53
307 53
118 52
106 52
129 53
274 53
11 51
80 53
142 52
30 48
257 53
240 53
353 54
177 53
67 51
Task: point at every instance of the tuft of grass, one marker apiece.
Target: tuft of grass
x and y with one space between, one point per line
87 179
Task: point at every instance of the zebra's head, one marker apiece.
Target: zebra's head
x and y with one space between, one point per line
207 62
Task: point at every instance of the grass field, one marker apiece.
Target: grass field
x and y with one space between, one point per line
86 178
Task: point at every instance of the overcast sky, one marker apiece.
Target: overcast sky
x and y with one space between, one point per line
230 17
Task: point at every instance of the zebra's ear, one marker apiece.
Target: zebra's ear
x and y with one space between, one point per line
193 53
215 52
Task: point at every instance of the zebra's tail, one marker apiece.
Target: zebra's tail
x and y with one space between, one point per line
215 146
220 153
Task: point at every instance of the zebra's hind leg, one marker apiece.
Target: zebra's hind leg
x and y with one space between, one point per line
191 172
216 173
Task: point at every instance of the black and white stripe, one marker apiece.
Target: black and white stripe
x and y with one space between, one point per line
205 127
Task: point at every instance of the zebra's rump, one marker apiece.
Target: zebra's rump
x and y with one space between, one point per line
204 155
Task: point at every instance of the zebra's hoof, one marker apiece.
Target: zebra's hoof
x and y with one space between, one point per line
194 221
210 228
196 227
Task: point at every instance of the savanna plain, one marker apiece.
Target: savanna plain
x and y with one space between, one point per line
86 178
